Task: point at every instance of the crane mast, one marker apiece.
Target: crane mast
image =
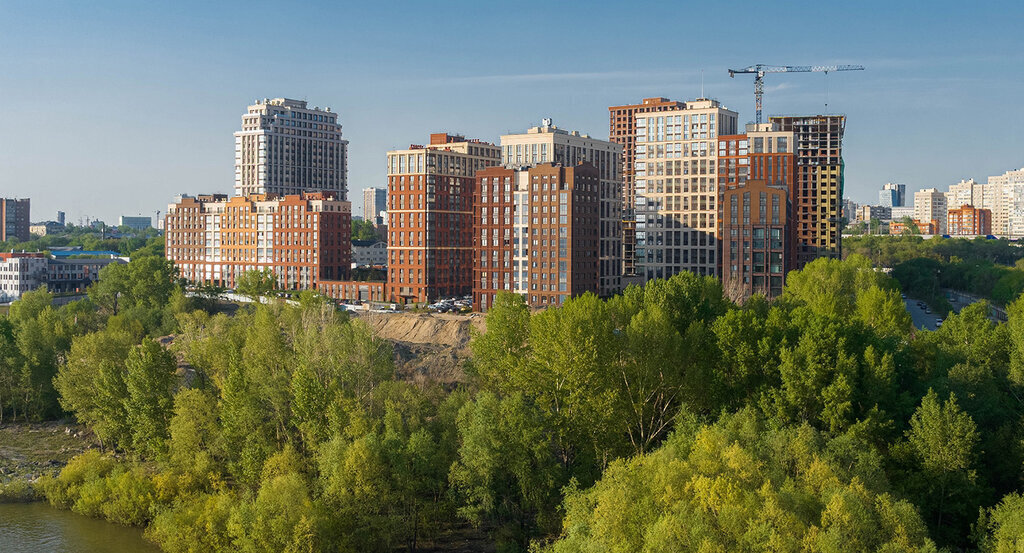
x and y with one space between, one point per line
761 69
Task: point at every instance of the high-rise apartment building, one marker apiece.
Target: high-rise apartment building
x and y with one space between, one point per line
285 147
676 168
892 195
930 205
966 192
536 233
969 221
430 210
374 201
14 219
1004 195
756 175
818 191
550 144
622 130
303 238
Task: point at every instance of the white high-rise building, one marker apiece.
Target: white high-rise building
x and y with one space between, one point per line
676 162
550 144
375 201
285 147
930 205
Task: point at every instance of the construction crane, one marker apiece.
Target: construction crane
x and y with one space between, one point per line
760 69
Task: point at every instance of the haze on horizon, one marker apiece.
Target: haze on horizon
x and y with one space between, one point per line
111 108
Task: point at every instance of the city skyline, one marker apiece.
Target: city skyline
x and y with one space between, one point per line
146 102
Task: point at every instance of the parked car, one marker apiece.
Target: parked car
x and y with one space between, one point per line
938 323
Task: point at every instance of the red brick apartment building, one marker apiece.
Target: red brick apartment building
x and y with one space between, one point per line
304 238
430 217
968 220
756 178
536 232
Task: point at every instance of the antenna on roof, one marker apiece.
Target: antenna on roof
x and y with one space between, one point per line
701 83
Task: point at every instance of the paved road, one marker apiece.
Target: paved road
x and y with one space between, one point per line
921 319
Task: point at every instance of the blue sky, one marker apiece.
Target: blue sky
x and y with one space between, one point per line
112 108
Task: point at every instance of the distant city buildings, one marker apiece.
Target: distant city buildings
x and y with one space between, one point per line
930 205
430 210
286 148
302 238
892 195
374 202
969 221
14 219
867 213
550 144
135 223
537 233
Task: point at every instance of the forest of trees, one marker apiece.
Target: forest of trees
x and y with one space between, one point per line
991 269
664 419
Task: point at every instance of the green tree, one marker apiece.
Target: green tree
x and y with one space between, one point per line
92 384
1001 528
256 283
944 439
150 381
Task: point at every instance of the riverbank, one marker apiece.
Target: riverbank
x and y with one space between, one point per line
30 450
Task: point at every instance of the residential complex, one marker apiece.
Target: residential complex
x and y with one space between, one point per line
676 168
930 205
430 209
374 202
818 188
550 144
969 221
14 219
622 130
287 148
302 238
537 232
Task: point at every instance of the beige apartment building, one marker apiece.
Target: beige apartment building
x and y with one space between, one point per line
930 205
285 147
430 217
676 171
550 144
1007 193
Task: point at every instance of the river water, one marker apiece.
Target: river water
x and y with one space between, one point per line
39 528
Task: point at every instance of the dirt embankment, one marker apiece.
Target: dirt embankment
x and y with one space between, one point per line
428 346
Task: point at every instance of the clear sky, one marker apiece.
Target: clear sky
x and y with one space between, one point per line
112 108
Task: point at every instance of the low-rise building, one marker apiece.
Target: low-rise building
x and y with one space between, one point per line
135 223
369 253
924 228
22 272
876 212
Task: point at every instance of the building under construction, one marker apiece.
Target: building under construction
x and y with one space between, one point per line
818 192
